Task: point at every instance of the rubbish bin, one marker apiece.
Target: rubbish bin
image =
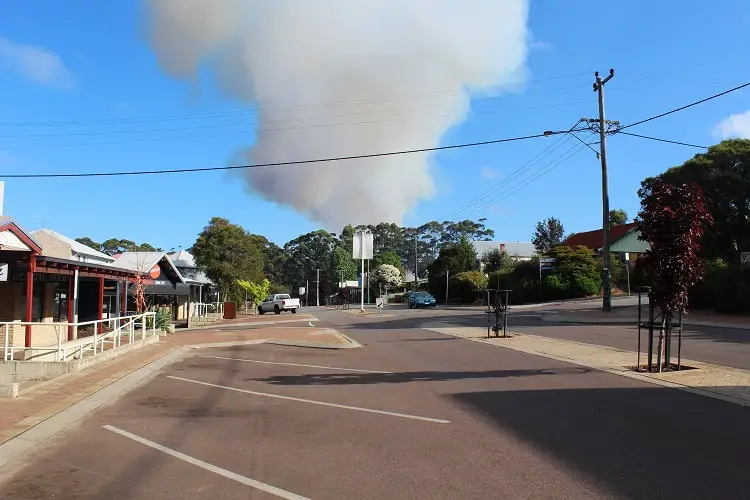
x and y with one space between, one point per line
230 310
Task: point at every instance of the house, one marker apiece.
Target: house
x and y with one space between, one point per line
165 285
624 239
202 289
519 251
44 281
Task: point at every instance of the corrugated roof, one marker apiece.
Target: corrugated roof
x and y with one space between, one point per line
76 247
182 259
512 248
595 239
144 261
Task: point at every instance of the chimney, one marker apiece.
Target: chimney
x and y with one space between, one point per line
2 192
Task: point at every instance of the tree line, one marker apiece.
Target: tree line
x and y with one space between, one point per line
230 254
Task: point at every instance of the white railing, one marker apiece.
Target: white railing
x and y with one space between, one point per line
204 309
134 327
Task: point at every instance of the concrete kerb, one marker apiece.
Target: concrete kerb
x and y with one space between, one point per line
561 318
623 372
220 326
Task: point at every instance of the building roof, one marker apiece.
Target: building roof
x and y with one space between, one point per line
145 261
77 248
595 239
190 271
182 259
519 248
21 239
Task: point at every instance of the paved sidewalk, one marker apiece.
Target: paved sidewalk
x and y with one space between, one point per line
620 315
716 381
49 398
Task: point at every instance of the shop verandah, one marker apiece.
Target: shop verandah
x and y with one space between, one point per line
48 292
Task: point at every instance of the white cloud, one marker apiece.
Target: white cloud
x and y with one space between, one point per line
36 64
488 173
734 126
541 45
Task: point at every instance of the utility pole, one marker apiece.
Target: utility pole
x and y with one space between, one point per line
416 266
447 274
606 258
317 289
368 281
307 293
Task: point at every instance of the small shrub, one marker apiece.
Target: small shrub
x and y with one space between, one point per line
468 286
163 318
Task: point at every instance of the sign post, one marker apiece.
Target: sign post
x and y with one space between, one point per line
362 249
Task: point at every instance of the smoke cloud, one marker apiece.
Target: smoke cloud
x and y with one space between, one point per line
345 77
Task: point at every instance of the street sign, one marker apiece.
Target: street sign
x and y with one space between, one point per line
3 272
379 302
547 263
302 290
362 245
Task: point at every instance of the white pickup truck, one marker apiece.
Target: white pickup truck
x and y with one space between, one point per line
278 303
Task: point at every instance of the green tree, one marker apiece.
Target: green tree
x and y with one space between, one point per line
577 270
618 217
89 243
454 258
273 259
344 267
305 255
723 174
256 291
228 253
549 232
495 261
389 257
467 229
468 286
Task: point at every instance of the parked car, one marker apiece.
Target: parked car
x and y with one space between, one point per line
278 303
420 299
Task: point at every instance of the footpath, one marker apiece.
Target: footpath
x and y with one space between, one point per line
629 314
715 381
46 399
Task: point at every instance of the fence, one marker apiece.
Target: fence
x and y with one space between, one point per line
135 327
204 309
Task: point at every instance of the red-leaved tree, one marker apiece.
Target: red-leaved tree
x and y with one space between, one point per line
672 220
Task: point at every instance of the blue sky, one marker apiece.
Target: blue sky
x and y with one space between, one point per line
89 62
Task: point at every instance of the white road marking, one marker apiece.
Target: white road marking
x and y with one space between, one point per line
294 364
212 468
322 403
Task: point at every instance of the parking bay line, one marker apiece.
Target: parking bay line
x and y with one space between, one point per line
321 403
294 364
209 467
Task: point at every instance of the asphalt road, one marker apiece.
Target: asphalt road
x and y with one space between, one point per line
449 418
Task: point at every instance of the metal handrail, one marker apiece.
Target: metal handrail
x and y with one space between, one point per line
84 343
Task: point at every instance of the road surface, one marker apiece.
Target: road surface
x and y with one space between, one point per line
413 414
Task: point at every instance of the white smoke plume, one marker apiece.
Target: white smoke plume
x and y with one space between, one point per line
345 77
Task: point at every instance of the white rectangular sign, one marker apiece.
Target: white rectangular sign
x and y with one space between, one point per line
3 272
302 290
362 246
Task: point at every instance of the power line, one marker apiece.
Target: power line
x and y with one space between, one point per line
276 164
510 177
551 165
687 106
291 107
663 140
470 205
301 127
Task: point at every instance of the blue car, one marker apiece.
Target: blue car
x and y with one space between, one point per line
420 299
